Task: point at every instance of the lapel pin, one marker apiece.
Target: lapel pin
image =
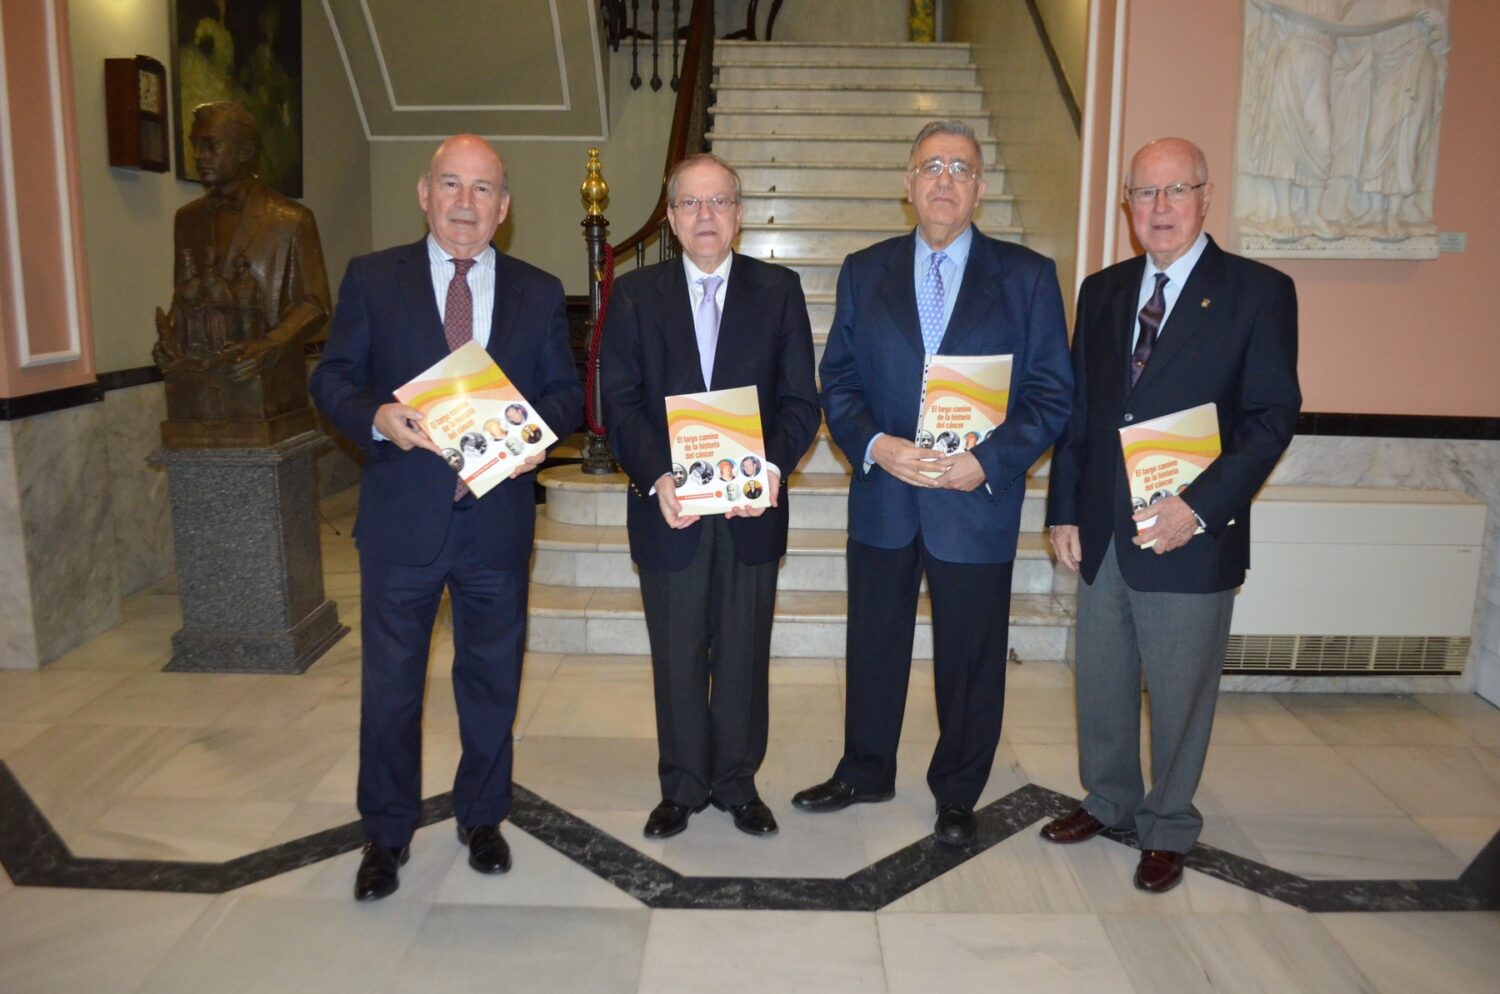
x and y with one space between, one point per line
1205 303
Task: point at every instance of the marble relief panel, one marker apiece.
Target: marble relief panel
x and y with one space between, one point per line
17 637
62 465
139 510
1472 467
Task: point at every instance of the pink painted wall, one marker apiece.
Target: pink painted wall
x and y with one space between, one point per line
1377 337
46 222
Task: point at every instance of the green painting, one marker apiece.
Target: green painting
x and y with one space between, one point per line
248 52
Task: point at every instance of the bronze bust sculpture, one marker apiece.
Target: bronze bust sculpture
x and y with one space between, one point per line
250 289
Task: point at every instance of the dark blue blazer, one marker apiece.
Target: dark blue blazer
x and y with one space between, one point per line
385 330
650 352
871 373
1231 339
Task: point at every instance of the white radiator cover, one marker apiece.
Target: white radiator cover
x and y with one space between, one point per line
1359 580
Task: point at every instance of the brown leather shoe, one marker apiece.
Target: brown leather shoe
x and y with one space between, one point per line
1074 827
1160 870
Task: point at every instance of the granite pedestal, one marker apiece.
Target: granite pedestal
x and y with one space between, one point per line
249 563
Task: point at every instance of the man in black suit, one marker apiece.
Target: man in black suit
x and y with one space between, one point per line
1183 325
944 289
419 530
708 585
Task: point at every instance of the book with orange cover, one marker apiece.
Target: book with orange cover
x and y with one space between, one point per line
474 412
718 450
1165 455
964 398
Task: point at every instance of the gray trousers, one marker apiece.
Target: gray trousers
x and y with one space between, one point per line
1177 642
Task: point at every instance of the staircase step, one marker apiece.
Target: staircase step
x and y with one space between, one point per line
917 75
580 555
890 207
819 500
889 149
934 101
610 621
747 53
780 241
823 121
823 456
845 177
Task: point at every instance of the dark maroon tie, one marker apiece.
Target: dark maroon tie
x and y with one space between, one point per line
458 324
1151 315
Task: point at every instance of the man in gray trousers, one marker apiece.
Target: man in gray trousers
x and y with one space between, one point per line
1185 324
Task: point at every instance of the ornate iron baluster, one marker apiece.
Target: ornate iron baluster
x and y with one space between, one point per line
655 44
676 20
635 43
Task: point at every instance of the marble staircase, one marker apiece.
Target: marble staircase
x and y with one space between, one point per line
820 134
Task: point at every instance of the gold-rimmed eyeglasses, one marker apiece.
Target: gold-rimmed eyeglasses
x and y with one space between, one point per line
961 170
690 205
1176 193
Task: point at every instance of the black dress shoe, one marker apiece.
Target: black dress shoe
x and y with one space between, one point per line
378 871
955 825
752 817
669 818
488 851
833 795
1159 870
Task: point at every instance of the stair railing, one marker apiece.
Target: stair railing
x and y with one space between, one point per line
689 125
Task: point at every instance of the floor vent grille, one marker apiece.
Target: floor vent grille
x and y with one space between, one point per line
1347 654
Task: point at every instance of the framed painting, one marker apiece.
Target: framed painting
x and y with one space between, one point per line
248 52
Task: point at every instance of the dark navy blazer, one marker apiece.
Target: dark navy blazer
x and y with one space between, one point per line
1009 302
1231 339
385 330
650 352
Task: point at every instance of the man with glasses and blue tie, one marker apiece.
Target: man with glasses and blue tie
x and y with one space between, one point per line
945 289
712 320
1184 324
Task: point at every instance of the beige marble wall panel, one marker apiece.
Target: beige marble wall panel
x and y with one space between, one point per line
17 633
139 512
62 464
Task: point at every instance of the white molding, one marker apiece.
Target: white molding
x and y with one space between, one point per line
12 219
1086 152
596 55
390 92
1116 125
338 40
490 138
64 201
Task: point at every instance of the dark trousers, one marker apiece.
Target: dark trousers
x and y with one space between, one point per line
710 630
970 632
398 608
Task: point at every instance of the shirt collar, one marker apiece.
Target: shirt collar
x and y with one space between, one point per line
957 252
1178 271
694 274
436 255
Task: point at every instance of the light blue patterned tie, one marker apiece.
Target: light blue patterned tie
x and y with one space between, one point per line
930 304
706 324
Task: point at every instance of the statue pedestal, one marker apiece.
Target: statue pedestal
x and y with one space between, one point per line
249 564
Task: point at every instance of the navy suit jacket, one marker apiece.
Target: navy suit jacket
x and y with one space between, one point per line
650 352
1009 303
1231 339
385 330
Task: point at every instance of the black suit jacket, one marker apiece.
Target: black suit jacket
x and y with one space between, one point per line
650 352
1231 339
386 329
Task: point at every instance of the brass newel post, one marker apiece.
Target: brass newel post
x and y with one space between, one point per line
595 194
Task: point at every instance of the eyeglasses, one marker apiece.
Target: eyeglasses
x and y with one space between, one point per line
690 205
961 171
1176 193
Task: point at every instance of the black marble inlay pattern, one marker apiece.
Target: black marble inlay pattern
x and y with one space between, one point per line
35 856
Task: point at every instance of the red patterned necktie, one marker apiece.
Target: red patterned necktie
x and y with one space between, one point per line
1151 317
458 325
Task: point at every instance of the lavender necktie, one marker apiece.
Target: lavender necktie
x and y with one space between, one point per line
706 324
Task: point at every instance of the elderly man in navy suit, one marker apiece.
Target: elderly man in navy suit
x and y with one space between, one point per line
419 530
1183 325
945 289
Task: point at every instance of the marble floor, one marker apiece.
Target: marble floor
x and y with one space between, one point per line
133 768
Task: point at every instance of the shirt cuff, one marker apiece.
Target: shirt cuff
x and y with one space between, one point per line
871 448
